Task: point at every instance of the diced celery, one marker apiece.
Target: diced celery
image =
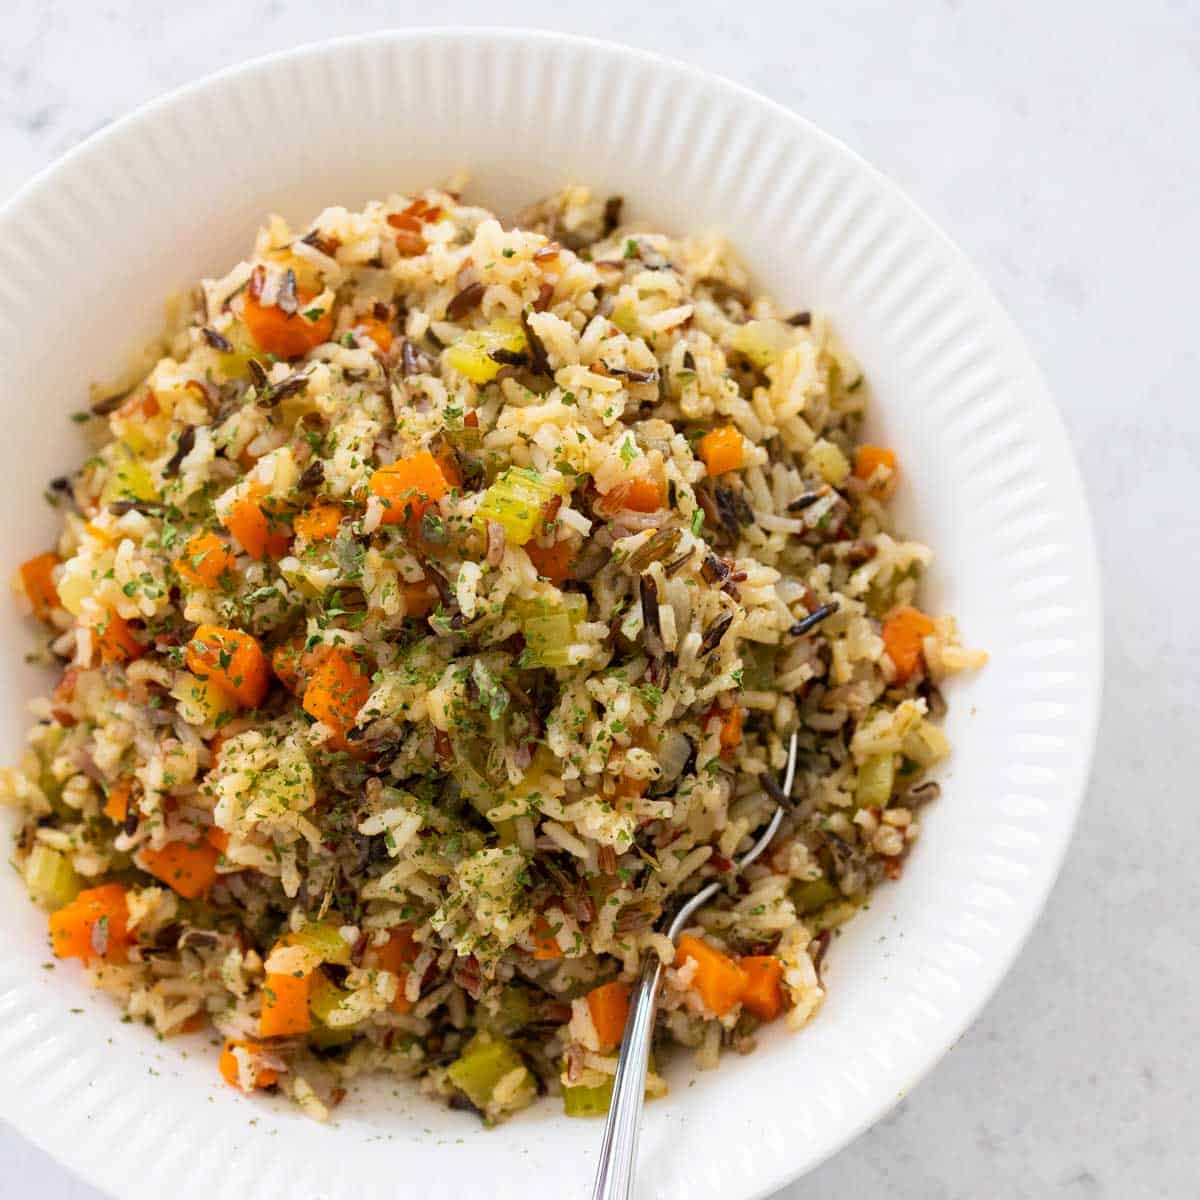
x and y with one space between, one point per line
830 462
625 318
516 1010
588 1101
482 795
48 747
243 349
549 632
592 1100
473 783
471 355
201 701
925 744
542 778
876 778
882 598
129 478
321 1037
297 405
516 501
763 341
814 895
845 375
485 1060
758 666
324 996
324 940
50 878
466 437
516 1006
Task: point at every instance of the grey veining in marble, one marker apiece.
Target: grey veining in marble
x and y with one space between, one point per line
1057 143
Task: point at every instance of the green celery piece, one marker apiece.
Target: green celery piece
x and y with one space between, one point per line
324 996
483 797
812 896
321 1037
51 878
592 1101
50 744
130 478
485 1060
588 1101
763 341
517 1006
876 778
516 501
471 355
549 631
322 937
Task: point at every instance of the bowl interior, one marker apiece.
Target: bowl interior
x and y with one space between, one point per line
90 252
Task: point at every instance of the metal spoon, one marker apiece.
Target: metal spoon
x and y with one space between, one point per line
618 1150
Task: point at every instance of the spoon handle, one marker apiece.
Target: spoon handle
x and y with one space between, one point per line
618 1150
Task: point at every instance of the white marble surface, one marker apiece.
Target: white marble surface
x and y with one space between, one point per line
1057 143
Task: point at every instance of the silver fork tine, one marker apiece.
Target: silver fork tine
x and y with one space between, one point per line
618 1148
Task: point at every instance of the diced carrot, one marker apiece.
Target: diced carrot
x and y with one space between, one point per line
93 925
194 1023
187 869
217 838
394 956
338 689
763 993
204 560
233 660
288 335
116 641
116 803
400 1002
378 331
64 695
409 486
38 583
731 719
228 1066
545 944
409 239
423 209
319 523
141 404
609 1008
722 450
868 458
258 526
553 562
419 598
731 730
718 979
285 1006
285 662
903 634
293 664
640 494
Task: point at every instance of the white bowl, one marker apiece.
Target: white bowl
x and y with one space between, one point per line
88 253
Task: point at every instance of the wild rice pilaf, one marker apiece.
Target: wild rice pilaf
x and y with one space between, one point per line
433 612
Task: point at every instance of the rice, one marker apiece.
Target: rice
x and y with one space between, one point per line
437 610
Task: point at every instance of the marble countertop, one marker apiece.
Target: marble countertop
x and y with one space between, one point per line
1057 144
